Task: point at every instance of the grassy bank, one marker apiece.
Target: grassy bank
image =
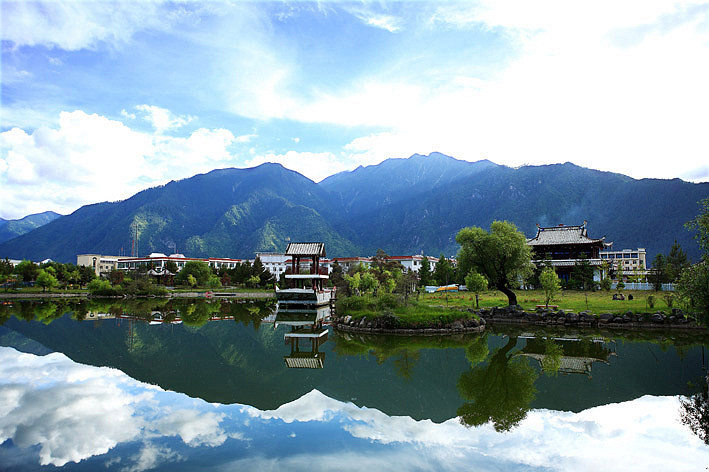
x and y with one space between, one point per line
598 302
412 313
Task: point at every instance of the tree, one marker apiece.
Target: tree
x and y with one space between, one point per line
46 280
700 224
27 270
677 261
191 280
693 289
443 272
550 284
171 266
502 255
369 282
406 284
258 270
200 270
354 282
658 274
86 275
425 272
476 283
6 271
116 276
582 273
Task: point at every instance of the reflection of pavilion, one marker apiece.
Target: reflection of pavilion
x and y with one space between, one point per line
577 354
306 325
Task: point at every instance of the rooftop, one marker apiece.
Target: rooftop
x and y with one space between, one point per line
563 234
306 249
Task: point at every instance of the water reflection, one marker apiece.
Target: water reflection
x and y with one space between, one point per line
58 412
227 351
306 327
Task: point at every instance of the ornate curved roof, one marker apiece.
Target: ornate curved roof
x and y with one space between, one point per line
554 235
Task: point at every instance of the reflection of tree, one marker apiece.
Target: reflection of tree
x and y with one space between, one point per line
477 351
404 364
501 391
553 352
694 412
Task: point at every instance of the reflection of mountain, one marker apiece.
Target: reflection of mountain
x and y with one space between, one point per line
566 355
240 360
88 418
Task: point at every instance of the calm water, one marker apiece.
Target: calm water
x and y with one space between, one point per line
189 385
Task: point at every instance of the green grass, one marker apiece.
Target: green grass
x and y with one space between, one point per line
571 300
412 314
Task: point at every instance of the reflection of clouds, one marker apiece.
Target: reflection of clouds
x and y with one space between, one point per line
626 436
195 428
73 412
150 456
72 418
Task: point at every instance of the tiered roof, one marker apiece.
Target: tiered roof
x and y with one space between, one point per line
555 235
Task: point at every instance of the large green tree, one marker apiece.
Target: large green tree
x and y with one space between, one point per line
200 270
501 255
46 280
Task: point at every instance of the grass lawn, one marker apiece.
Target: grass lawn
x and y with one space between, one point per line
413 314
598 302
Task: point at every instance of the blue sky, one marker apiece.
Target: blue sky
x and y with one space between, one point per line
102 99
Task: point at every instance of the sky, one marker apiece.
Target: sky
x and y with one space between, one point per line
102 99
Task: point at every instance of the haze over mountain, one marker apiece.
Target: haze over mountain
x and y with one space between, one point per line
404 206
12 228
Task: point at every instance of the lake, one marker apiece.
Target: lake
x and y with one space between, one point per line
200 384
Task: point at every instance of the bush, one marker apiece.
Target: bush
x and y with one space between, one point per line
606 284
621 285
651 301
103 288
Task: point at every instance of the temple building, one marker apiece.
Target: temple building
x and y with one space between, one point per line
565 245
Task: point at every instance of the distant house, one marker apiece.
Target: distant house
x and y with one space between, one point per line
564 246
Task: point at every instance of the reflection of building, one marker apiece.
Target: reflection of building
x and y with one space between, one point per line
564 246
306 332
575 355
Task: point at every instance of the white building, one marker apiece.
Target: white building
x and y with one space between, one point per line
102 265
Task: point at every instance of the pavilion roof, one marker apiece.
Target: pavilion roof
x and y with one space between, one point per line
306 249
562 234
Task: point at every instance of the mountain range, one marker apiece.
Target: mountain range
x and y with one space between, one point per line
10 229
404 206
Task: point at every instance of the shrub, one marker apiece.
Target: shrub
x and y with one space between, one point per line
651 301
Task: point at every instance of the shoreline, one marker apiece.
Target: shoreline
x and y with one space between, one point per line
206 294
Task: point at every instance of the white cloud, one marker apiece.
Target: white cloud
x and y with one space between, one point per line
78 25
88 158
162 119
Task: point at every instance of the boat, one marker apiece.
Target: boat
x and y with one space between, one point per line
305 289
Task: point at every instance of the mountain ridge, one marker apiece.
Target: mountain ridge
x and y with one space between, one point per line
404 206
